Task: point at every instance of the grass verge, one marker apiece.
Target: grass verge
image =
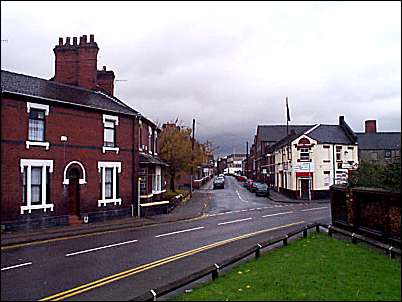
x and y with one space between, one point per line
316 268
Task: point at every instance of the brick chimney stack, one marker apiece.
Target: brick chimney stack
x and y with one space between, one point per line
66 65
105 80
87 62
370 126
76 63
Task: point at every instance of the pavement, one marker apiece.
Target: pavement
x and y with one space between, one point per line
191 209
279 197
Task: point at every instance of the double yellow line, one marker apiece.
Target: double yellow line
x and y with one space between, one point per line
103 281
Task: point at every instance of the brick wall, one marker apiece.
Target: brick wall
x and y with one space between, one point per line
84 129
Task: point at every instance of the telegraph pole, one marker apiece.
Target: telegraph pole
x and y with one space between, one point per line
247 159
192 158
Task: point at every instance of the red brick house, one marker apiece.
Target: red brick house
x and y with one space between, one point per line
70 150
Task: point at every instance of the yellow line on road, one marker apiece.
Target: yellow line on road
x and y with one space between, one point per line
106 280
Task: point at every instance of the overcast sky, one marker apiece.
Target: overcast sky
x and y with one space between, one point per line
229 65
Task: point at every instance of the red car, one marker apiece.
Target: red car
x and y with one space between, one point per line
248 184
241 178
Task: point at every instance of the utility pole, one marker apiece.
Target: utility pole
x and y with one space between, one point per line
192 158
247 159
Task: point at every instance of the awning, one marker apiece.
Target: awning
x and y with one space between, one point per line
146 159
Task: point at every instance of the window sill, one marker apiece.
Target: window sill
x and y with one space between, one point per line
39 144
37 207
147 196
106 201
115 149
158 192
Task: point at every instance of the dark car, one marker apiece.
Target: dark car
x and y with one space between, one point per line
254 186
262 190
219 182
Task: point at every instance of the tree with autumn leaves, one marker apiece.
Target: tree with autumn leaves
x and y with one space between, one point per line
176 149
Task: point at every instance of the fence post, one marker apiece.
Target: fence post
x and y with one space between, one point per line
305 233
317 228
215 272
329 231
257 251
285 240
354 240
153 294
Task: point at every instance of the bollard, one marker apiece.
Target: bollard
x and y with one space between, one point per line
285 240
215 272
153 294
257 251
354 240
329 231
317 228
391 253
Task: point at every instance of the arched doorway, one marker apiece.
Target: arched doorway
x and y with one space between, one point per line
73 175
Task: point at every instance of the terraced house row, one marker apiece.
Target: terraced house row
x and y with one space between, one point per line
303 161
70 150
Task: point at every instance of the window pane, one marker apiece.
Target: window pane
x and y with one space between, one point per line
108 175
36 130
36 176
108 190
109 137
35 194
37 114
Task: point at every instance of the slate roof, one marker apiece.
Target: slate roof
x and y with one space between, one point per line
149 159
16 83
274 133
324 134
331 134
379 141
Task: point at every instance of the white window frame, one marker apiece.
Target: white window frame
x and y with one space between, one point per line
42 163
116 169
157 185
115 119
149 139
45 108
155 138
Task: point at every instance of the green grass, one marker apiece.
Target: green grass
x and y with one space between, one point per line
316 268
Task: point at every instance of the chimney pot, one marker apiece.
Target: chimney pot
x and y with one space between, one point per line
104 68
84 37
91 38
68 41
341 119
74 40
60 41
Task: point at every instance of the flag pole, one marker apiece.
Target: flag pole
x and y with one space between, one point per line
287 117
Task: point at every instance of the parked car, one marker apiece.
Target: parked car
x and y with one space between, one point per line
249 183
254 186
240 178
219 182
262 190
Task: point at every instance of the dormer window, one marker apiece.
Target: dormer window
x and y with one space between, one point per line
109 133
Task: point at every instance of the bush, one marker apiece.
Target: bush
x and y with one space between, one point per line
376 176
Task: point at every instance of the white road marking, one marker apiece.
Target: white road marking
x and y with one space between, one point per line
183 231
15 266
277 214
314 209
100 248
234 221
241 198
